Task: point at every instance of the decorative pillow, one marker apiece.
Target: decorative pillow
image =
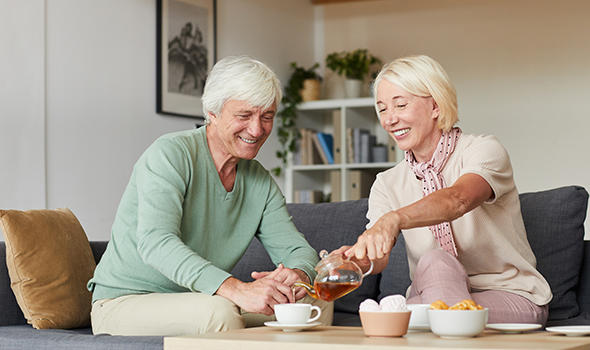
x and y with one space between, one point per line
49 262
554 221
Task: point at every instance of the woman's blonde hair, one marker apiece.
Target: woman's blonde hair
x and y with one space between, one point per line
423 76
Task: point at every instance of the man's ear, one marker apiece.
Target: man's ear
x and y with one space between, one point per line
212 116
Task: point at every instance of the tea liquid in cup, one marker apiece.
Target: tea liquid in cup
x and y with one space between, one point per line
296 313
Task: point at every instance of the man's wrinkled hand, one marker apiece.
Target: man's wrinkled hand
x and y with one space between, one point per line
286 276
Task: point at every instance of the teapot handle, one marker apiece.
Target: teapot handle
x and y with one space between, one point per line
369 271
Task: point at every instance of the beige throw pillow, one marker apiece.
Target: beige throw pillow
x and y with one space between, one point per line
49 261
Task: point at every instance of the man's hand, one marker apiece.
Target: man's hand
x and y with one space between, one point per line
287 277
258 296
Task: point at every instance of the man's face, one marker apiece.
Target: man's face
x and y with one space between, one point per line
242 128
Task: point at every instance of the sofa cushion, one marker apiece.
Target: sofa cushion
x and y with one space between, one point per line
583 290
49 262
554 222
25 337
10 313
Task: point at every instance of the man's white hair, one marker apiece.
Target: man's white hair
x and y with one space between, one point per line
240 78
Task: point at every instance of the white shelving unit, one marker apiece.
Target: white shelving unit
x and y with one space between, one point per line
354 113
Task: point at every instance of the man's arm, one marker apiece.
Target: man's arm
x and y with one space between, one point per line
281 239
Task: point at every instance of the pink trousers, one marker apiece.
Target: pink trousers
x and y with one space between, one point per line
440 276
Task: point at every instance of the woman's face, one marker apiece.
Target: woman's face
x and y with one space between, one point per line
411 120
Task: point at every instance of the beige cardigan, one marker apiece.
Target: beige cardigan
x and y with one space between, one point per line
491 239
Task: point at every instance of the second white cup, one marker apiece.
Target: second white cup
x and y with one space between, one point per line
296 313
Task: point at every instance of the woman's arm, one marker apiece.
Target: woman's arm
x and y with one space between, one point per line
445 205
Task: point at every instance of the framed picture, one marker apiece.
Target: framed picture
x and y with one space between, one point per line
186 51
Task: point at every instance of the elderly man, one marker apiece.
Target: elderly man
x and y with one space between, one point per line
193 204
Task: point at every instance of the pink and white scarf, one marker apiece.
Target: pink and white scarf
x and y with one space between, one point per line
432 180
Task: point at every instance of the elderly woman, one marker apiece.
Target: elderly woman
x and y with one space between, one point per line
453 198
194 202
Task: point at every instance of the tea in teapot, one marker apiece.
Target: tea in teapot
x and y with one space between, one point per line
336 277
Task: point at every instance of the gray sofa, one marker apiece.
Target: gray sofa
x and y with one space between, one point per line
554 221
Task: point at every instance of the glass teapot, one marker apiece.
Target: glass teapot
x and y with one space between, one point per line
336 277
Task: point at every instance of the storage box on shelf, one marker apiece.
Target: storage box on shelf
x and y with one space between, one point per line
359 149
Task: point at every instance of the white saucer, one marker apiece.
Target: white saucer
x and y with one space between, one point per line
513 327
291 327
570 330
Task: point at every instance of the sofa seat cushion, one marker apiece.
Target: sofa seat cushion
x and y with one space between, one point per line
554 221
49 262
26 337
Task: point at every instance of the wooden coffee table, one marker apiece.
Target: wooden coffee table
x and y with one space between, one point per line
344 338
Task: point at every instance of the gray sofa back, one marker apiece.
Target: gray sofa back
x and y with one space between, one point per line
555 227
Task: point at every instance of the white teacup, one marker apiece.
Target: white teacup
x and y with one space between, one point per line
419 317
296 313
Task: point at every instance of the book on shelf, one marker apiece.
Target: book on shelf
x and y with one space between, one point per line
349 146
359 184
318 148
391 154
310 154
337 124
368 141
308 196
358 134
315 147
326 142
335 184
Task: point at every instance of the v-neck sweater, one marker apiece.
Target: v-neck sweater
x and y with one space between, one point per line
177 229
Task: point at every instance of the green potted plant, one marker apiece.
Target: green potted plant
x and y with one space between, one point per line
287 130
354 66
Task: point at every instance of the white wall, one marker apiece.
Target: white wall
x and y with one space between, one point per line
521 69
100 105
22 104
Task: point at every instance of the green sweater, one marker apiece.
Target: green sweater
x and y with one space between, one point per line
177 229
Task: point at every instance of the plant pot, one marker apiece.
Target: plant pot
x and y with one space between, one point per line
311 90
353 88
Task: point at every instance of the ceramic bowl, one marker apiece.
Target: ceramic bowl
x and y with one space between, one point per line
419 317
385 324
457 323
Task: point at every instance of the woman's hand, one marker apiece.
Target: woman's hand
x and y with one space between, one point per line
364 264
376 242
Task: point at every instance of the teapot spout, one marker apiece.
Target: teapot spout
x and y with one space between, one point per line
308 289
